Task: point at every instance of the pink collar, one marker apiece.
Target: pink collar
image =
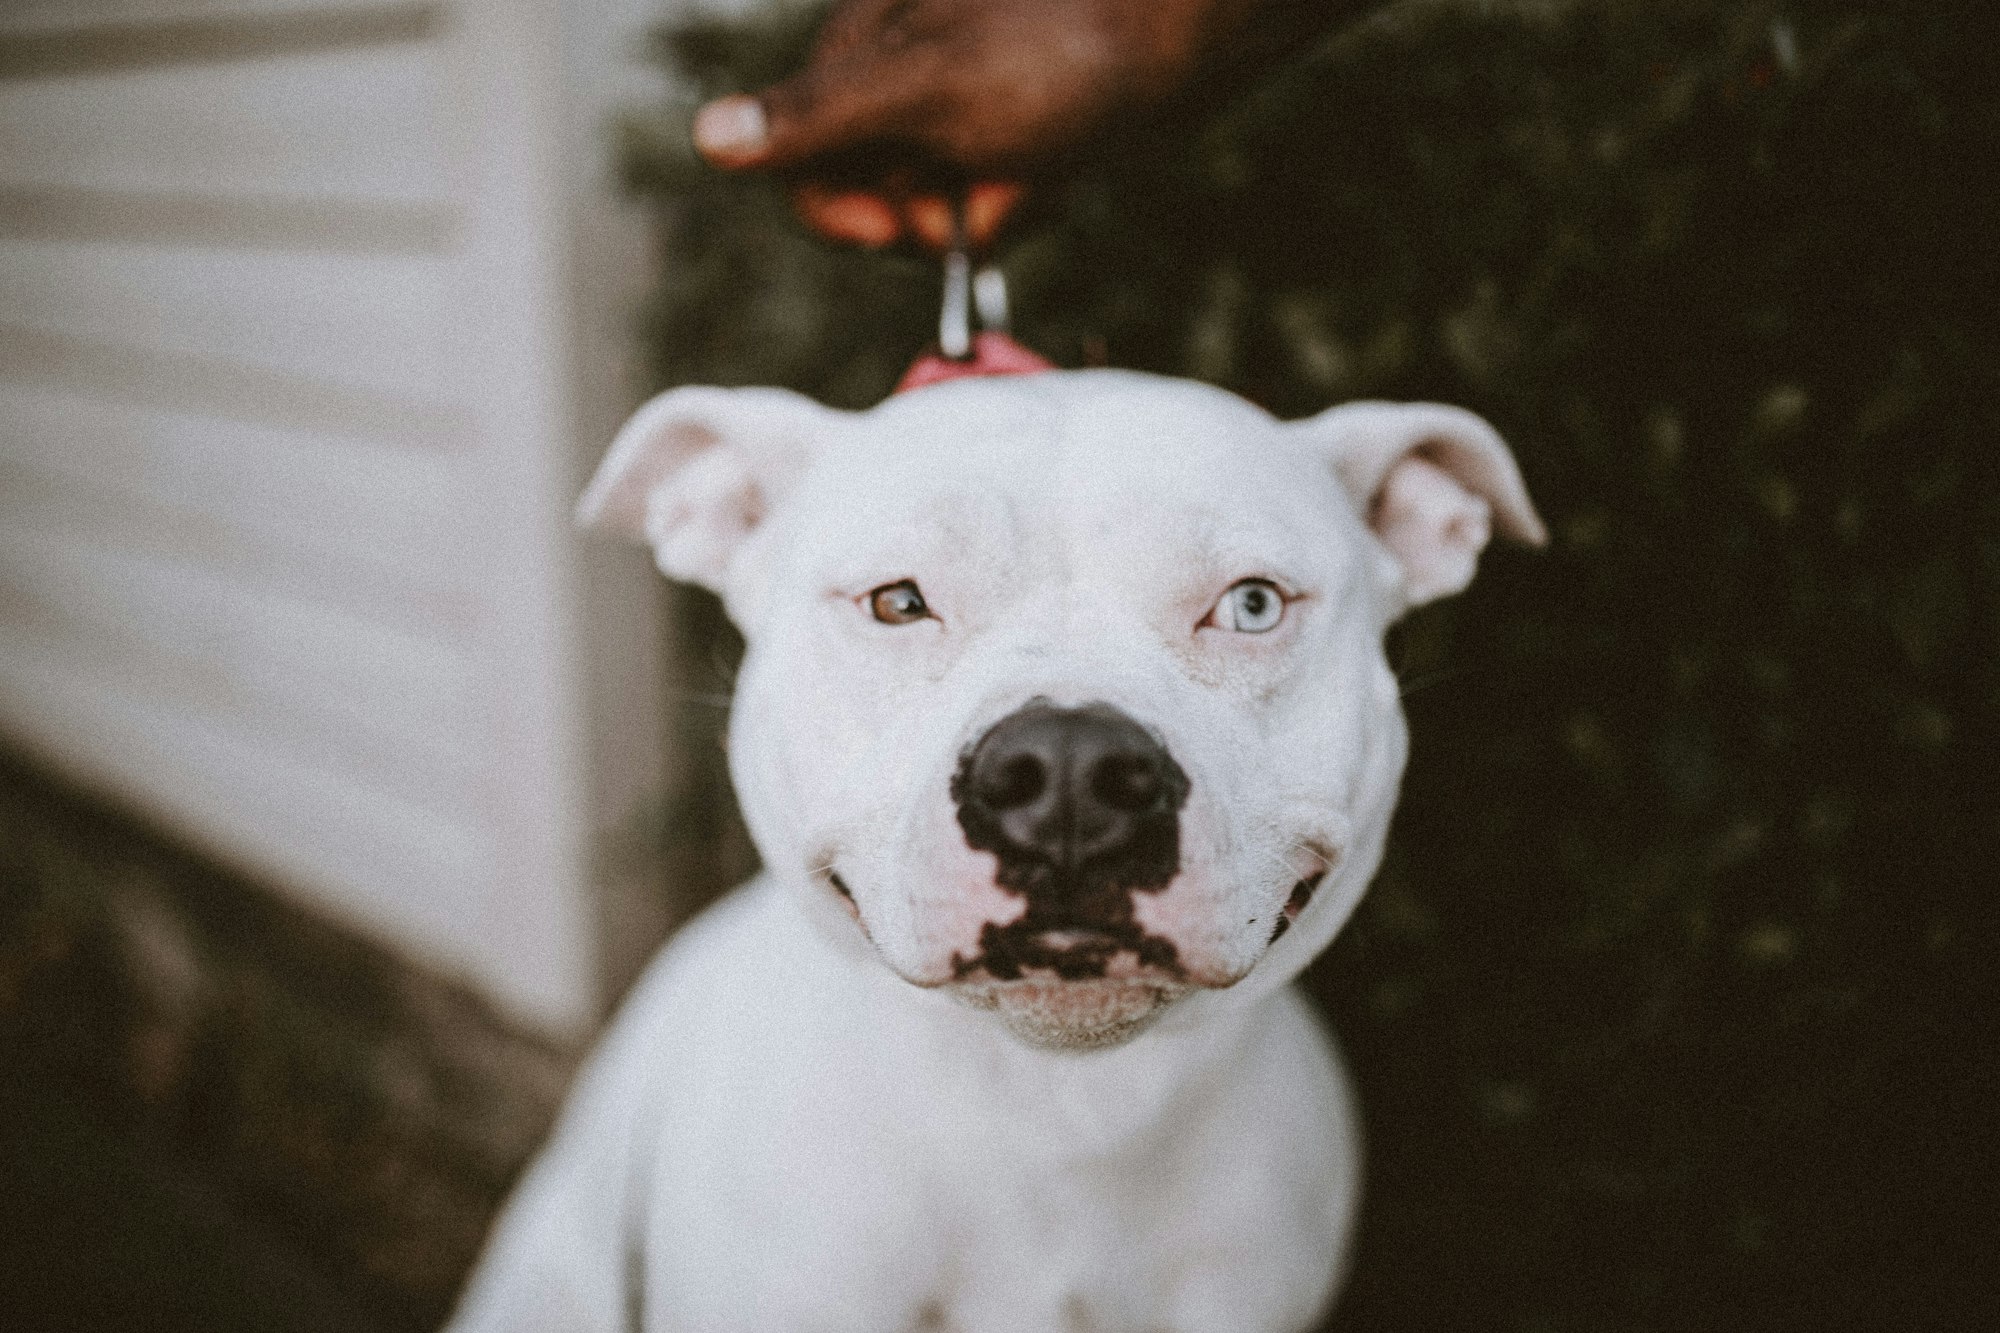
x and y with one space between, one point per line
993 353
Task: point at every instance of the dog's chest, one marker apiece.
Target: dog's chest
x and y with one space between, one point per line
980 1246
1086 1246
847 1160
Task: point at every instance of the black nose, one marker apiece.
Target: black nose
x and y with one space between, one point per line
1072 799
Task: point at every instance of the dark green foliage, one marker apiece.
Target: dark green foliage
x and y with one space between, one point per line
1667 1007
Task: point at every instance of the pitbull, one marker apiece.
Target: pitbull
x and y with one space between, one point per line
1067 738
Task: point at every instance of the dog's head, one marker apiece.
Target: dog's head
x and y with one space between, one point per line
1068 689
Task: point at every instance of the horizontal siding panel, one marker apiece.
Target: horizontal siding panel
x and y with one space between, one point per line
298 732
88 46
56 15
401 601
375 323
397 868
231 222
201 386
360 124
377 528
330 681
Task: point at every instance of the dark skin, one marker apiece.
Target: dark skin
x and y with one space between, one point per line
906 106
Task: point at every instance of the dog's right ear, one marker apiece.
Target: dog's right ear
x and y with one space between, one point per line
1431 482
695 471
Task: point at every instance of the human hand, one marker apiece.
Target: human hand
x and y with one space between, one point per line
906 106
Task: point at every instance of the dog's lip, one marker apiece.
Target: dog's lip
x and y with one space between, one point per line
828 876
1075 1015
1042 988
1040 981
1121 968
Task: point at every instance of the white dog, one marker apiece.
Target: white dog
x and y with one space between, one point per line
1067 738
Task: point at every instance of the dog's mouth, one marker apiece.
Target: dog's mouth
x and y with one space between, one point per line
1067 986
1079 967
1301 895
1036 947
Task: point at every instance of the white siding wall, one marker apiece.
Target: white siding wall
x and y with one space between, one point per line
295 394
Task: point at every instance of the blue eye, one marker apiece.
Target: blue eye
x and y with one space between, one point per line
898 603
1254 606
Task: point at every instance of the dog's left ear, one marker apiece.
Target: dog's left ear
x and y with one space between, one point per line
695 471
1430 481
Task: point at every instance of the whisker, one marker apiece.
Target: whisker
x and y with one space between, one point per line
1277 864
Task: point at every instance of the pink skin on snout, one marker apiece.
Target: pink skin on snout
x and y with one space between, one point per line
954 903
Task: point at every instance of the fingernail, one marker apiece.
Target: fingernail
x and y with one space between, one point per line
731 127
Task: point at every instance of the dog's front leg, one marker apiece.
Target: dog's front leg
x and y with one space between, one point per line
1271 1203
563 1255
553 1265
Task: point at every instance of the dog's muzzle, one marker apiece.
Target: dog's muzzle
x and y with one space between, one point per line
1081 809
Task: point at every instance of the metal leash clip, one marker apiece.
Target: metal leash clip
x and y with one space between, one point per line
961 352
969 293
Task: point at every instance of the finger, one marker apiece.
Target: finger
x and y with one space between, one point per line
854 216
986 209
988 205
931 220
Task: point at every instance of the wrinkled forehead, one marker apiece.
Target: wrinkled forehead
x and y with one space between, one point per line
1085 452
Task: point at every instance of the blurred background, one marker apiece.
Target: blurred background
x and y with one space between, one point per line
343 787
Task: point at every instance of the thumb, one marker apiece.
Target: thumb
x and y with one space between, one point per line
733 131
825 109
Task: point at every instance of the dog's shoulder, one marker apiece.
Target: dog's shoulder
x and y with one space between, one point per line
727 954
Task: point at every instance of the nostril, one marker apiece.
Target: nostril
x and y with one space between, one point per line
1074 802
1125 782
1015 782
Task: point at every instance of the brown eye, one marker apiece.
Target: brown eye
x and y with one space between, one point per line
898 603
